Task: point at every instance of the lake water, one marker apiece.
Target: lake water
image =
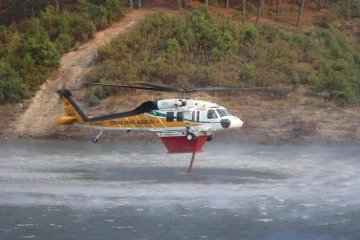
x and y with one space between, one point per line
80 190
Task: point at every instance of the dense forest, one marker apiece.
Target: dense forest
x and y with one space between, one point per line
192 49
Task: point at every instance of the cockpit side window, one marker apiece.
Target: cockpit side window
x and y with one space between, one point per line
211 114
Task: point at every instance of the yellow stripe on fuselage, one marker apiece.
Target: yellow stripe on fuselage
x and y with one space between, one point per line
142 121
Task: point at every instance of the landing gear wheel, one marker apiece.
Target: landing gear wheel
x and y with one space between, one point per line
190 137
95 139
209 138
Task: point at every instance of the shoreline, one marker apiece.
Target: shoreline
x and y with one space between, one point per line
85 135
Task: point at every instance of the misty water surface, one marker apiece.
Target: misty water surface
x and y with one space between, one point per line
81 190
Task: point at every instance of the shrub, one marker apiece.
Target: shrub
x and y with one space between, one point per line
64 42
340 65
315 83
295 79
247 76
216 53
205 75
330 18
283 35
93 101
226 43
344 97
268 32
280 92
101 92
81 28
250 35
278 63
172 46
115 9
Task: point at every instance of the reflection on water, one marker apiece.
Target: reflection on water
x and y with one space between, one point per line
79 190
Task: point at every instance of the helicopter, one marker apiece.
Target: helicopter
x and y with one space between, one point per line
183 124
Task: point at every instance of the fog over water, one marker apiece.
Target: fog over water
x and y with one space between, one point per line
80 190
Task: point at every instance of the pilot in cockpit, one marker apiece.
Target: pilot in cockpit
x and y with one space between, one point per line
211 114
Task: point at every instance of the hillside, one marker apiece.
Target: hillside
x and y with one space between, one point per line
37 117
300 117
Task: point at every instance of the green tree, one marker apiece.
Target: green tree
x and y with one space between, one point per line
205 31
115 9
97 14
50 21
12 51
39 46
33 75
81 28
11 85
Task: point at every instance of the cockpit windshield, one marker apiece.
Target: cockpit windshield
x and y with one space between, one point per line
221 112
227 112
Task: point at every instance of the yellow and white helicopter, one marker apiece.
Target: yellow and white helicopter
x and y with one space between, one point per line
183 125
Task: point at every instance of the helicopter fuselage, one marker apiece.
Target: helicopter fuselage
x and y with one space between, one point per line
171 115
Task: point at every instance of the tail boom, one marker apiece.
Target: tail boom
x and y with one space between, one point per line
73 111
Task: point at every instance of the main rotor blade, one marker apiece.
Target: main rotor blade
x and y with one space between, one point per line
225 89
169 89
161 88
127 86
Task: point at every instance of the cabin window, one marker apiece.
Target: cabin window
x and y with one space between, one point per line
180 116
195 116
170 116
211 114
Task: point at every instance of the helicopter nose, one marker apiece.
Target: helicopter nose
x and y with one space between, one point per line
232 122
237 122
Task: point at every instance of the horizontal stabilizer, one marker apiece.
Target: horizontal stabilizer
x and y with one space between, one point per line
65 121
